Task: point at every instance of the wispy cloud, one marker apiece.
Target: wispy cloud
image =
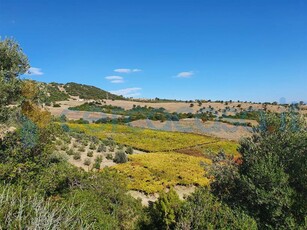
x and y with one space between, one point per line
186 74
33 71
128 92
127 70
115 79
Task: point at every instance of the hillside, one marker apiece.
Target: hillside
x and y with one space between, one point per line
63 92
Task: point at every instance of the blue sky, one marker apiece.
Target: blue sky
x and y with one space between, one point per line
253 50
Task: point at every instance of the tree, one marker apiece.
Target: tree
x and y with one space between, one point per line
270 183
164 211
13 63
203 211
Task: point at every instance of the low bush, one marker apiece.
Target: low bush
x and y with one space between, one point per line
92 146
109 156
90 153
77 156
70 152
102 148
129 150
120 157
87 162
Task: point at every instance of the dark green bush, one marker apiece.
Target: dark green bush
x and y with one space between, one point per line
120 157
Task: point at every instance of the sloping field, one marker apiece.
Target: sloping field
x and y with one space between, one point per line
215 128
154 172
144 139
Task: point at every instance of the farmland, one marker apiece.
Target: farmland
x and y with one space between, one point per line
154 172
144 139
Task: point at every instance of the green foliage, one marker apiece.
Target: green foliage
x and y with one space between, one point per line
270 183
109 156
129 150
97 162
55 94
104 202
25 209
77 156
13 63
87 161
88 92
120 157
81 149
25 152
102 148
203 211
90 153
164 211
92 146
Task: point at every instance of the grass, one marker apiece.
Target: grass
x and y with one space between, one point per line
153 172
143 139
229 147
211 149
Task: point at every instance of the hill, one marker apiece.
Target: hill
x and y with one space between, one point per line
63 92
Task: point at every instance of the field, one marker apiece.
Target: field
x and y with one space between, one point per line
211 149
172 158
212 128
153 172
144 139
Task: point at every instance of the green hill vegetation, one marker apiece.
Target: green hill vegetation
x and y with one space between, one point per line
89 92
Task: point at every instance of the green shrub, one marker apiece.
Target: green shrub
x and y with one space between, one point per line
111 149
129 150
24 209
99 159
58 142
92 146
77 156
97 165
102 148
120 157
70 152
64 147
165 210
87 161
109 156
270 182
203 211
81 149
90 153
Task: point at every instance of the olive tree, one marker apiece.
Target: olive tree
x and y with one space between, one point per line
13 63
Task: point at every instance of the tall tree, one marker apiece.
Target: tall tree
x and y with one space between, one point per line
13 63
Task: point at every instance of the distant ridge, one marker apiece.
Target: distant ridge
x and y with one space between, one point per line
89 92
63 92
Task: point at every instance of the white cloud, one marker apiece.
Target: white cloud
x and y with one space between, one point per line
127 70
128 92
136 70
115 79
34 71
187 74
